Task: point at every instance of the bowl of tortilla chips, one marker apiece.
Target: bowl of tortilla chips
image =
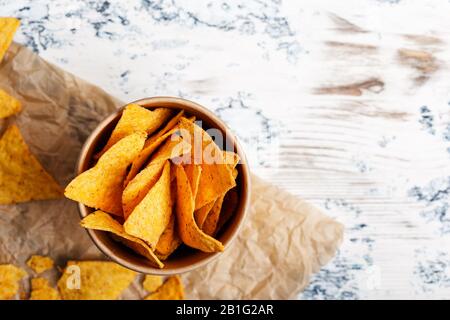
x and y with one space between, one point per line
163 186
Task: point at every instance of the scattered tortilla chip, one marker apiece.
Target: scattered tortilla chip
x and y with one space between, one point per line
8 105
169 240
40 264
193 172
187 227
138 188
10 276
210 224
41 290
201 214
22 178
151 283
216 178
229 207
8 27
101 187
172 289
135 119
94 280
152 215
100 220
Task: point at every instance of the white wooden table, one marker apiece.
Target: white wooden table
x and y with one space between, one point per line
344 103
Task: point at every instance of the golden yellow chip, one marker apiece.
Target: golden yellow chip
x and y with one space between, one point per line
151 283
210 224
40 264
41 290
152 215
190 233
100 220
8 27
193 172
101 187
169 240
10 276
231 158
22 178
135 119
8 105
201 214
138 188
172 289
94 280
216 178
172 148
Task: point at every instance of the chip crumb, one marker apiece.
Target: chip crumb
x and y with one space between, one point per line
10 276
40 264
151 283
171 289
41 290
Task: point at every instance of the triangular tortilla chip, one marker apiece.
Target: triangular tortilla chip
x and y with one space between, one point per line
8 27
41 290
172 289
40 264
101 187
137 189
210 224
134 119
22 178
151 282
152 144
169 240
94 280
8 105
201 214
172 148
187 227
151 216
100 220
193 172
10 276
231 158
216 178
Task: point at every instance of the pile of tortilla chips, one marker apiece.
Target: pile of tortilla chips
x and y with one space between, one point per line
160 181
83 280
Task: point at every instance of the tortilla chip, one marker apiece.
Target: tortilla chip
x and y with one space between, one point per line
8 105
152 215
101 187
22 177
216 178
41 290
229 207
100 220
8 27
201 214
151 283
97 280
187 227
231 158
135 119
40 264
138 188
210 224
10 276
173 148
193 173
169 240
172 289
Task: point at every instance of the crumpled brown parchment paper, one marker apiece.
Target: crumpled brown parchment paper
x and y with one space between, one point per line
283 242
